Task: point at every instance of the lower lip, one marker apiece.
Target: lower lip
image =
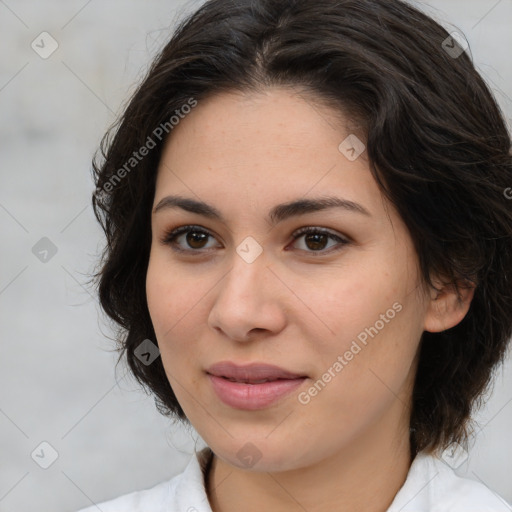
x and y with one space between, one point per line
252 396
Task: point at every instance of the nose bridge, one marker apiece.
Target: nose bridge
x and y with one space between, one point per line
246 299
247 278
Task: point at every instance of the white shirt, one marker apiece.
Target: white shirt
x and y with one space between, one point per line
430 486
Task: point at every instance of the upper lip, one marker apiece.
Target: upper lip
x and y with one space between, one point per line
250 372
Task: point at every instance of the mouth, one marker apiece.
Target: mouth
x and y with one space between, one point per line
255 373
254 386
250 381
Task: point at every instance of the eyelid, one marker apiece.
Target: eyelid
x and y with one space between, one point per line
170 235
340 239
324 231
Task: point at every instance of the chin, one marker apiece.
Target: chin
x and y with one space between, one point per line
260 454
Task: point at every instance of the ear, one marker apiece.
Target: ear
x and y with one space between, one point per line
447 307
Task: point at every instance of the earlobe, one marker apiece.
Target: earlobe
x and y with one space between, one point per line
447 307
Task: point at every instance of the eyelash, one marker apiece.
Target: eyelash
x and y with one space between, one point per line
170 236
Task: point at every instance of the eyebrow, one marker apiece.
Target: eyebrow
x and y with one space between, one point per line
277 214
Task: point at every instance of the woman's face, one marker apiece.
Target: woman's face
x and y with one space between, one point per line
342 308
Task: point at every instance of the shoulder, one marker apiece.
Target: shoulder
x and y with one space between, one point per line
184 492
147 499
433 486
459 493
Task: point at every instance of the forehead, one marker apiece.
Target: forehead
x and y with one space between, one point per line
275 117
264 147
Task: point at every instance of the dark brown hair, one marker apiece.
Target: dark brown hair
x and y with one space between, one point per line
436 141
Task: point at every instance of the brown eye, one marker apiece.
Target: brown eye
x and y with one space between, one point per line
192 239
196 239
187 239
316 240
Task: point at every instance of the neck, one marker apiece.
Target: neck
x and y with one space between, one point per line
363 476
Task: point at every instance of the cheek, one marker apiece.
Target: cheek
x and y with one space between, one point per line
173 305
171 293
348 301
173 302
374 320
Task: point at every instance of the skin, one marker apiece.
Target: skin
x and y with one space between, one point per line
297 305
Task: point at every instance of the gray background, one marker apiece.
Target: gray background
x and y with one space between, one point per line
57 367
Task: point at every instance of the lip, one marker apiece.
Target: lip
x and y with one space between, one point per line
246 394
248 372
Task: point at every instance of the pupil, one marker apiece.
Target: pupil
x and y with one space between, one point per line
314 238
194 239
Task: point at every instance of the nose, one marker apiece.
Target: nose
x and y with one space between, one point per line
249 300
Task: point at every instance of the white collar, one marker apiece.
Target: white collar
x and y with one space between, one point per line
431 486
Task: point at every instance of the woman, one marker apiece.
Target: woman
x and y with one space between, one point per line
309 254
